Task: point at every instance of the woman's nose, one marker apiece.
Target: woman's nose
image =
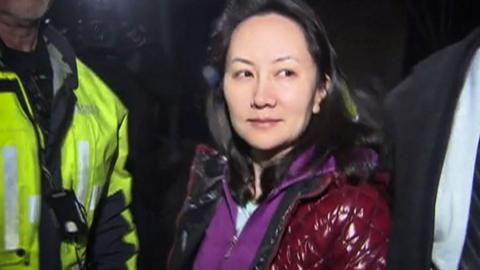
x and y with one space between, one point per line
263 96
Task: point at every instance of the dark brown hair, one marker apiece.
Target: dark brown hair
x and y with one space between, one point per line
337 129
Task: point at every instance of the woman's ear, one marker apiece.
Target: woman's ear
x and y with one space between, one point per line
320 94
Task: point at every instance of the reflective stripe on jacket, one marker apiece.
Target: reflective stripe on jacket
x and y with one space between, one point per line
93 155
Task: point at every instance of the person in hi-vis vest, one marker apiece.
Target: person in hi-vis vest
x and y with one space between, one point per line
64 191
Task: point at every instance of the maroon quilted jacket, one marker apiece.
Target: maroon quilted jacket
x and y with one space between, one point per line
322 223
346 228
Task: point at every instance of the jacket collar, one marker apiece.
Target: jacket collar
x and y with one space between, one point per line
203 193
61 54
62 58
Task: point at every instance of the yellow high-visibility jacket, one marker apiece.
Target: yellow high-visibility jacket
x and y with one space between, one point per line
89 128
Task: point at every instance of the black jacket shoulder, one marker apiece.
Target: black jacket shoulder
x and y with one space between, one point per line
419 114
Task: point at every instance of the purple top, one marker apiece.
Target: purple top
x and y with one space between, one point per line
221 249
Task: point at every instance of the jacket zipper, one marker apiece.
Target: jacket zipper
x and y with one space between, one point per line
232 244
237 235
39 134
31 113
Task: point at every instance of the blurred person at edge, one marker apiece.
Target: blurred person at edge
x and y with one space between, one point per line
295 181
64 201
433 119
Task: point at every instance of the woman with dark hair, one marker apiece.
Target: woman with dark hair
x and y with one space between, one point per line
295 181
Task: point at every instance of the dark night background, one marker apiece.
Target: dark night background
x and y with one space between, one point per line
152 52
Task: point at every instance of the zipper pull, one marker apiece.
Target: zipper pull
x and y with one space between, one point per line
48 176
26 259
233 242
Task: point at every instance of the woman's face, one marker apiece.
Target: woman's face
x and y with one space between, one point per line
270 82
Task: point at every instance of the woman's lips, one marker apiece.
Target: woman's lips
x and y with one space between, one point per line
263 122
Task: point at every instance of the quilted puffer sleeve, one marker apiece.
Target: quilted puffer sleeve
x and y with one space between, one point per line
346 228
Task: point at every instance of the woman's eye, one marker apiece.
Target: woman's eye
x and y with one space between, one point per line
286 73
243 74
